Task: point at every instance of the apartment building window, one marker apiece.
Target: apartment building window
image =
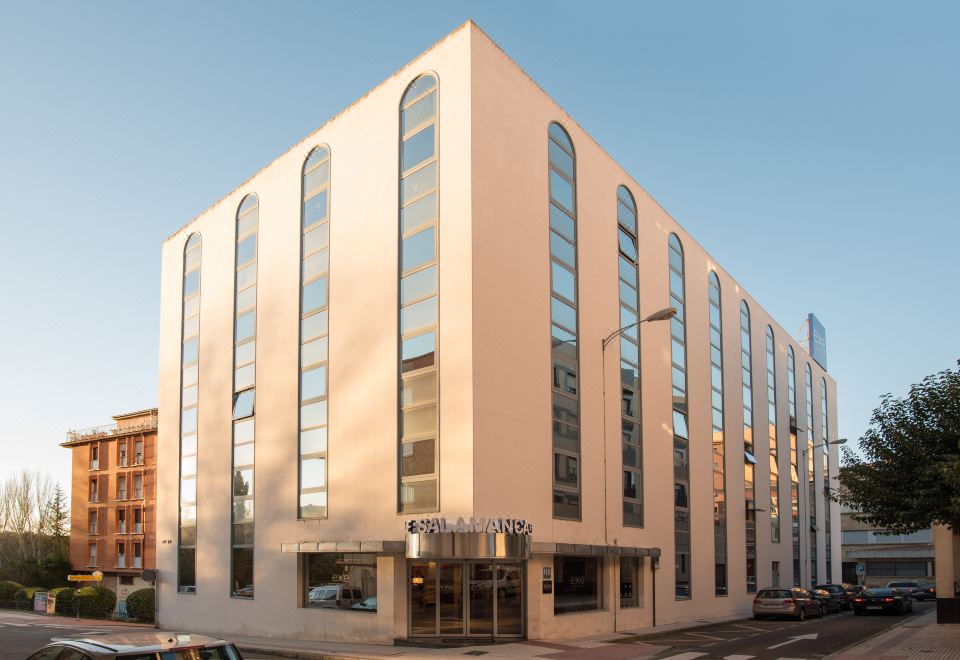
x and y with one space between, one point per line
94 490
93 522
772 434
564 324
419 437
749 453
244 383
122 488
138 452
719 451
189 401
92 554
825 441
121 521
681 435
138 521
138 486
794 462
630 425
314 339
122 453
121 555
94 457
138 555
811 479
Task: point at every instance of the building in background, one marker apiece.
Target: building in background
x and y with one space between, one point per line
385 409
113 500
873 558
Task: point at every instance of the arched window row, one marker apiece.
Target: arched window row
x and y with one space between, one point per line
681 435
719 449
419 226
749 451
811 479
189 407
794 463
772 433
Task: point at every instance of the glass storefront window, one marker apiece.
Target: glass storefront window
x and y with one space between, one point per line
340 581
576 584
630 582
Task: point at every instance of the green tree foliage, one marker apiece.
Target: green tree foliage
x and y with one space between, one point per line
65 596
909 476
26 593
95 602
140 604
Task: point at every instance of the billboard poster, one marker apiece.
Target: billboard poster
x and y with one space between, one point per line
818 340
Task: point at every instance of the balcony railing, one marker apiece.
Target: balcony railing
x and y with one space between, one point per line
107 430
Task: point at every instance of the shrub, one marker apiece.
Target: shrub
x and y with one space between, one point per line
65 597
140 604
9 589
96 602
26 593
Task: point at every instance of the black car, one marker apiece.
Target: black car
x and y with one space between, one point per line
827 600
882 600
924 591
838 592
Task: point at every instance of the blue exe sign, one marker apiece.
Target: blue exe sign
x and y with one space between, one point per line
818 340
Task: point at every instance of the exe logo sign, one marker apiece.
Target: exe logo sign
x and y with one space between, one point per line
483 525
818 340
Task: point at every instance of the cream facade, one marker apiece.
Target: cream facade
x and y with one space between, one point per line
330 522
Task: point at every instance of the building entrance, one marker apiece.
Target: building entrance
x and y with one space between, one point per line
466 599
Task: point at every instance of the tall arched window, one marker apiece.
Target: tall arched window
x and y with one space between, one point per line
811 479
189 402
419 433
628 266
244 395
681 435
749 452
719 450
794 463
314 327
772 432
825 441
565 407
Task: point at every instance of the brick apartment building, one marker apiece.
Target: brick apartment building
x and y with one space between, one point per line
113 500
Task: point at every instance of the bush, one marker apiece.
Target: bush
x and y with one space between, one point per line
65 597
26 593
96 602
9 589
140 604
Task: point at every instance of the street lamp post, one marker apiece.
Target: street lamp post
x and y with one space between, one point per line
664 314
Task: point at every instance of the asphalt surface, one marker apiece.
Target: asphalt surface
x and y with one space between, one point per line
772 639
21 634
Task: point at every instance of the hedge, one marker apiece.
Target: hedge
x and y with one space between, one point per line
140 604
65 597
9 589
26 593
95 602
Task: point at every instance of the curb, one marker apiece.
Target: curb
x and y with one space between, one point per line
300 655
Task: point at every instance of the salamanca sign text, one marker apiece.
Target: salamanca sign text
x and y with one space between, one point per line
485 525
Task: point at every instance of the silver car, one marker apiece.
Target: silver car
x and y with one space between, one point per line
795 602
139 646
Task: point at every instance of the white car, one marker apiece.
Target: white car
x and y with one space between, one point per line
335 596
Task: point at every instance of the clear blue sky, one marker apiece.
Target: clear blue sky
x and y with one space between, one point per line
813 148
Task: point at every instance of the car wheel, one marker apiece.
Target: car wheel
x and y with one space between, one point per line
822 612
802 616
858 612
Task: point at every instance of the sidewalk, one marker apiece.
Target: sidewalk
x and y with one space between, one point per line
920 637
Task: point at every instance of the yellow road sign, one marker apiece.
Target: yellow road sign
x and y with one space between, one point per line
85 578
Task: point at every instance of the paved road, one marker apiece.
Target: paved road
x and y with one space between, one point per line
769 640
22 634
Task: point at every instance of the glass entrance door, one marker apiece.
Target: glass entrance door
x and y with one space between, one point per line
466 599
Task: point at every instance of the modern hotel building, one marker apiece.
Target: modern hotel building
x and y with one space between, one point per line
389 409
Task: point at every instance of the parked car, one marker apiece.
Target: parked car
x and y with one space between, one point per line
827 599
925 592
368 605
142 646
852 589
882 600
338 596
906 586
839 592
795 602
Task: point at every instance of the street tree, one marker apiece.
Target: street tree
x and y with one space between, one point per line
907 477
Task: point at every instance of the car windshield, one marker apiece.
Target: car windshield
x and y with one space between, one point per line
832 588
774 593
878 592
